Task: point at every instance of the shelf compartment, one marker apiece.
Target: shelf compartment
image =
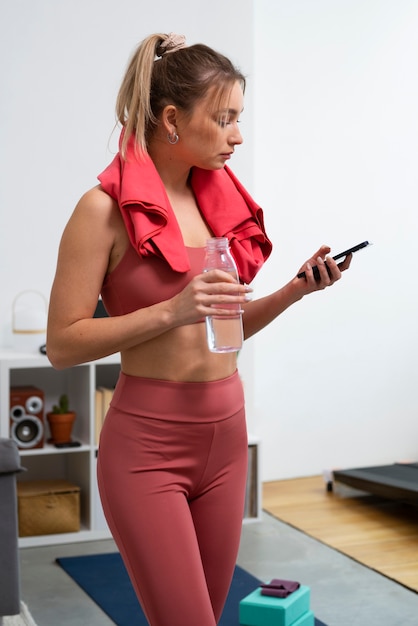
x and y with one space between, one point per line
71 467
75 382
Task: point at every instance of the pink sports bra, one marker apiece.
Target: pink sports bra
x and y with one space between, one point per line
138 282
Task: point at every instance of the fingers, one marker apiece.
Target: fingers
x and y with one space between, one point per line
335 269
218 276
324 273
220 288
323 268
329 271
318 275
346 263
211 293
322 253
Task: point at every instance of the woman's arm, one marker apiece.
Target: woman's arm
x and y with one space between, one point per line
87 245
261 312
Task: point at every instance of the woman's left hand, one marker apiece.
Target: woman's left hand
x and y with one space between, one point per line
329 270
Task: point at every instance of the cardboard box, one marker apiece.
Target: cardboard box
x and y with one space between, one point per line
259 610
48 507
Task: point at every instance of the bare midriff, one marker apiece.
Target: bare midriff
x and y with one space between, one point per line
180 354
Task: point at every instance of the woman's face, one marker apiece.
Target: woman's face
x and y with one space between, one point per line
207 137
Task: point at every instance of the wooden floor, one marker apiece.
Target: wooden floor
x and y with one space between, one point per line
379 533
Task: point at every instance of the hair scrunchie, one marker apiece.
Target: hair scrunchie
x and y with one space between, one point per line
171 43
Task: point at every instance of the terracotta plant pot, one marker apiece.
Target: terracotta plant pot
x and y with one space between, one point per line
61 425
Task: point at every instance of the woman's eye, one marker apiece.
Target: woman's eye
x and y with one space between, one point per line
223 122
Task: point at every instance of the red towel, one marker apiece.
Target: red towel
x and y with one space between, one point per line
152 226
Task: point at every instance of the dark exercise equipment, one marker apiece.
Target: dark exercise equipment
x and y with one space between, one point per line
396 482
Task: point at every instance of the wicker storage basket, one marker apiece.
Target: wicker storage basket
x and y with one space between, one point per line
48 507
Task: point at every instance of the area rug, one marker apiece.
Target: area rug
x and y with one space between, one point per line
103 577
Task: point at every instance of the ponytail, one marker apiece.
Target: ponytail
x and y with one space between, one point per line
133 104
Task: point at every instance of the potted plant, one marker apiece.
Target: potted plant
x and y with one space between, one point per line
61 420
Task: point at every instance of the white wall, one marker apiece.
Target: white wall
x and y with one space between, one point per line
334 84
337 162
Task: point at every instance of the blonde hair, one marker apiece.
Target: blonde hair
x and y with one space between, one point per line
157 76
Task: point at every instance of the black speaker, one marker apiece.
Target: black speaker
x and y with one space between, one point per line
27 417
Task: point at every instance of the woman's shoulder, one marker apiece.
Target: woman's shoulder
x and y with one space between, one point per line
96 213
96 199
97 207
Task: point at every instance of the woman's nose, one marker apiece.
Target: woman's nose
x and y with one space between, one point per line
235 137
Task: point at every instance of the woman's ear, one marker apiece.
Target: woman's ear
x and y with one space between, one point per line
169 118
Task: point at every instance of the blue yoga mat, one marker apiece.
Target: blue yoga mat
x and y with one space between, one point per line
104 578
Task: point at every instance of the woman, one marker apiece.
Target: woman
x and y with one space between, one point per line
173 449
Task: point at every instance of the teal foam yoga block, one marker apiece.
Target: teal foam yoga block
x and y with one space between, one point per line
258 610
307 619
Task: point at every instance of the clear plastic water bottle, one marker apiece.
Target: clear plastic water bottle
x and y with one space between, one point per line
224 333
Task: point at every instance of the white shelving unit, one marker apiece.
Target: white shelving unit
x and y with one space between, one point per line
78 465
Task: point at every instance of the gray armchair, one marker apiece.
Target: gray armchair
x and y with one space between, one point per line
9 556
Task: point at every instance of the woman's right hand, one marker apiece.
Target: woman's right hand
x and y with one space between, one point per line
206 294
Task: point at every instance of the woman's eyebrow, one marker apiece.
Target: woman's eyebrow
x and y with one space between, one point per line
229 111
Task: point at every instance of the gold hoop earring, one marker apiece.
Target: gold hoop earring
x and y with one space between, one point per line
172 138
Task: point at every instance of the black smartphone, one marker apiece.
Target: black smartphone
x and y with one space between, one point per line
341 255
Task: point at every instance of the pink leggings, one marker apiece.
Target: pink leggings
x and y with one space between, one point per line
172 470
